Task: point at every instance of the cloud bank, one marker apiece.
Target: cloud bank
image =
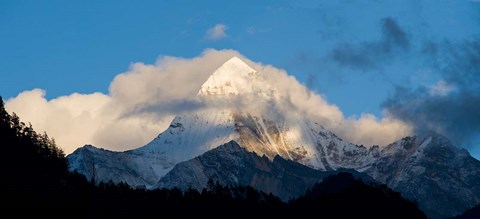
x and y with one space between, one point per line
143 100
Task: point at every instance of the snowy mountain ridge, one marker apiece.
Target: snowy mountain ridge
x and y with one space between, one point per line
406 165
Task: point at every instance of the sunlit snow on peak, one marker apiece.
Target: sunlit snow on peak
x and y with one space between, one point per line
232 78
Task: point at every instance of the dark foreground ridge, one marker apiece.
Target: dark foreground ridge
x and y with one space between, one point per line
35 183
473 213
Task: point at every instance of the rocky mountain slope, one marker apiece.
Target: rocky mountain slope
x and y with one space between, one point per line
442 178
266 132
231 164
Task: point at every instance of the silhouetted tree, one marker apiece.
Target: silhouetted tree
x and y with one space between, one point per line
343 196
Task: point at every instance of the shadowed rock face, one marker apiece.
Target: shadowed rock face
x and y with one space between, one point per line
231 164
444 180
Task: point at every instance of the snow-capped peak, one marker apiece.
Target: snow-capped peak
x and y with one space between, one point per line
235 65
232 78
249 109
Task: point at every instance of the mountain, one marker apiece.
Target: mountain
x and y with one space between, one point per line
442 178
231 164
266 132
245 106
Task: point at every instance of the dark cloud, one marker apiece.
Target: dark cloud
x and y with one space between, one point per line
360 57
393 35
371 54
462 65
455 115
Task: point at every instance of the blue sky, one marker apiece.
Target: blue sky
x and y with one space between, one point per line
356 53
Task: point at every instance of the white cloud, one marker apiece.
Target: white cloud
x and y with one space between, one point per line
111 120
142 101
441 88
72 120
367 129
217 32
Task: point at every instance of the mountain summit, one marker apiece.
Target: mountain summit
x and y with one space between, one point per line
233 77
264 131
418 167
